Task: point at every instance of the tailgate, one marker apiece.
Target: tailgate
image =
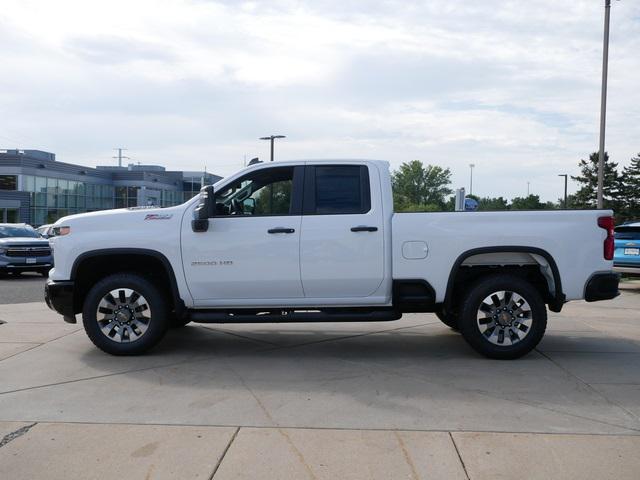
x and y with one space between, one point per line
627 245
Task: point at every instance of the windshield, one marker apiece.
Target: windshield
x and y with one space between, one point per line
7 231
628 233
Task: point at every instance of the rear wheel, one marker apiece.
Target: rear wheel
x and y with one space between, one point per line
503 317
125 314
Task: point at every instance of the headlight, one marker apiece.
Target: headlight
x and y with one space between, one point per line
3 250
60 231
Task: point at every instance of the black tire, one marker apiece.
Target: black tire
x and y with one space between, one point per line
470 325
178 322
449 319
157 324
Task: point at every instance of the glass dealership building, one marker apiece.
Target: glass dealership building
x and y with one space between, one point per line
37 189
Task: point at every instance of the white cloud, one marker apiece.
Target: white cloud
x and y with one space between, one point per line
511 86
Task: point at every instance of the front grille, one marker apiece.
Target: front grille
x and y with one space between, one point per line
28 252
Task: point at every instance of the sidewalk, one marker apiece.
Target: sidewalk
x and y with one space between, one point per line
93 451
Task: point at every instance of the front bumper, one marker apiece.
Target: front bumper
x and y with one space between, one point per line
26 267
59 297
602 286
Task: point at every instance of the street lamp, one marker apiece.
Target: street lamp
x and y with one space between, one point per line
603 100
565 188
271 138
471 165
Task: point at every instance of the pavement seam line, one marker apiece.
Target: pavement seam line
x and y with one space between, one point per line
224 453
338 339
492 395
296 451
18 433
590 387
244 337
455 445
65 382
347 429
22 351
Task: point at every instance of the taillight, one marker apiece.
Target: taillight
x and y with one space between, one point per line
609 244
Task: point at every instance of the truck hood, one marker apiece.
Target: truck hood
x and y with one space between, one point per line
23 241
115 215
124 221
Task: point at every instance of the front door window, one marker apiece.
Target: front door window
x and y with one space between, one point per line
262 193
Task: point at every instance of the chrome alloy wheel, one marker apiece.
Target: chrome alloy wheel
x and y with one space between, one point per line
504 318
123 315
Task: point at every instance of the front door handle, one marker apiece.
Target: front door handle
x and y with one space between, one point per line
280 230
364 228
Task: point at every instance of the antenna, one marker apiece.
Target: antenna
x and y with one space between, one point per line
120 156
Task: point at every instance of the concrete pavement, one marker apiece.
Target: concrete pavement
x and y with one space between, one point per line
27 287
405 399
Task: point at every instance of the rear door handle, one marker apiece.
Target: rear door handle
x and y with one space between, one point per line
364 228
281 230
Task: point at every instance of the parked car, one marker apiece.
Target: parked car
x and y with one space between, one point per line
23 250
45 231
627 254
319 241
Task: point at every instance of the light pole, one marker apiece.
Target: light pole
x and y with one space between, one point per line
603 101
471 165
565 188
272 137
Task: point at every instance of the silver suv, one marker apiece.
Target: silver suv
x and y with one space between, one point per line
23 250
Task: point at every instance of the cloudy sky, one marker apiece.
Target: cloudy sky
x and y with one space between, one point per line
511 86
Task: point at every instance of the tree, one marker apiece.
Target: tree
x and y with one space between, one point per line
273 199
416 186
586 196
488 203
631 187
532 202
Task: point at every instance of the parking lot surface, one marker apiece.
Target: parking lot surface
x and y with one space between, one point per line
405 399
27 287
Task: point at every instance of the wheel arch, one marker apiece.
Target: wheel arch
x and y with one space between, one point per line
95 264
502 256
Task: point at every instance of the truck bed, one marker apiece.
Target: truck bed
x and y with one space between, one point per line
571 238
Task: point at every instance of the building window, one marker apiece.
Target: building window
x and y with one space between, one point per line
126 197
28 183
8 182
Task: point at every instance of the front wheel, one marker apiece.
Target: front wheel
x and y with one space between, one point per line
448 318
503 317
125 314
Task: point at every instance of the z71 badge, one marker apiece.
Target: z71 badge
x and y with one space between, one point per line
158 216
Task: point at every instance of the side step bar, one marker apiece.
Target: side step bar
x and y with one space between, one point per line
217 316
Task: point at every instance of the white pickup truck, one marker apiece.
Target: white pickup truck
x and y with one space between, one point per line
311 241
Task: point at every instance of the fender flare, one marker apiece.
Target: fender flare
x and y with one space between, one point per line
104 252
555 303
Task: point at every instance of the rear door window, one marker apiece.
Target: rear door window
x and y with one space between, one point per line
337 189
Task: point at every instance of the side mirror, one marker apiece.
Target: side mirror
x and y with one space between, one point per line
204 210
